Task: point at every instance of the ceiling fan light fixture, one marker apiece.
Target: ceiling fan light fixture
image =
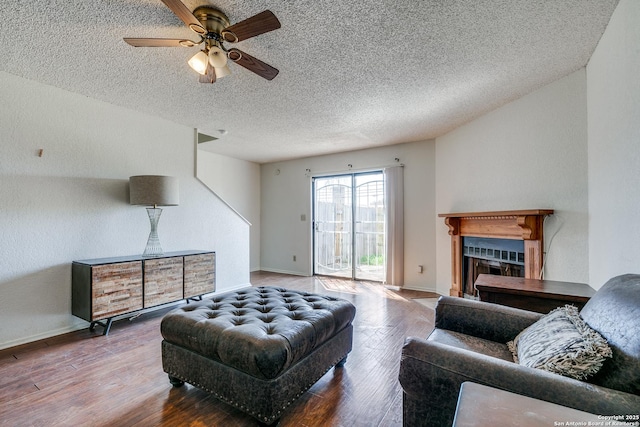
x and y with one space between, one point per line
217 57
199 62
222 71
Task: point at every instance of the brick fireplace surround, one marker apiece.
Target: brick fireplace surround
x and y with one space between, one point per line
524 225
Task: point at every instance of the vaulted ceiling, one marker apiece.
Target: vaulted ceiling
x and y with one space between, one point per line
353 74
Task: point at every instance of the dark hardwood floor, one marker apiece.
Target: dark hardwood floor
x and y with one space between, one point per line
86 379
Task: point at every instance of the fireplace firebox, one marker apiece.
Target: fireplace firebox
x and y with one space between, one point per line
525 226
501 257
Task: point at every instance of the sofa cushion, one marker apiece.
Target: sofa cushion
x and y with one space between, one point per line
614 311
471 343
562 343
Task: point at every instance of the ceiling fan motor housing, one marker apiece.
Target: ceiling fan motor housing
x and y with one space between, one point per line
212 19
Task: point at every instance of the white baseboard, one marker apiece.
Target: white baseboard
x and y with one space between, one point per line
42 336
414 288
293 273
232 289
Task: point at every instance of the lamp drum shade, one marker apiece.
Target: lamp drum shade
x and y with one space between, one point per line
153 190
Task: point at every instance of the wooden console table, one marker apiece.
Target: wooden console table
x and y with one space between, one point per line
541 296
483 406
104 288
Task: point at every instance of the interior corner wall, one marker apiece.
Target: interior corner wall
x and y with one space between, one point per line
286 197
613 93
528 154
72 202
237 183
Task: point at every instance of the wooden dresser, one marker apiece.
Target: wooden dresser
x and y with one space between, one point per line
108 287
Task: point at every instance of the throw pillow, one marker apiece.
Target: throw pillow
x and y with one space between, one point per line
561 342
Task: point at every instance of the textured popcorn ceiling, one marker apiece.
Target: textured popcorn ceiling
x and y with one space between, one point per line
353 73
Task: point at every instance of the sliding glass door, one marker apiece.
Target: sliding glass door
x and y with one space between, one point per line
349 224
369 227
332 222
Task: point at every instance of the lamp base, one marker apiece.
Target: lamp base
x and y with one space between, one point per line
153 248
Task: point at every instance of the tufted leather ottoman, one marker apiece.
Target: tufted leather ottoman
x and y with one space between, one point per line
257 349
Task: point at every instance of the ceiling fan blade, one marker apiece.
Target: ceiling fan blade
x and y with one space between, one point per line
258 24
142 42
185 15
210 76
252 64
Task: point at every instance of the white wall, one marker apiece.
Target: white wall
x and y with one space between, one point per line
72 203
528 154
614 147
237 183
286 195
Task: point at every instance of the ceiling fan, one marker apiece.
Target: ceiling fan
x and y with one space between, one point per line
214 29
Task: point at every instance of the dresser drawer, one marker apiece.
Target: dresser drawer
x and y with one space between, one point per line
117 288
162 280
199 274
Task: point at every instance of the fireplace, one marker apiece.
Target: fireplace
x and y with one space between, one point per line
522 226
502 257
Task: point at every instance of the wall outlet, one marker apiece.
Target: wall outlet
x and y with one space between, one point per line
420 269
294 258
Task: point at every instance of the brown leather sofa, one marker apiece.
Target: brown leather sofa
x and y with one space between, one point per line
469 344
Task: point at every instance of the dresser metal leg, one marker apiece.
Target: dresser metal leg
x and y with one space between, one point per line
106 325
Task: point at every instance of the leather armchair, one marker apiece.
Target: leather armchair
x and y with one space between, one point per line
469 344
